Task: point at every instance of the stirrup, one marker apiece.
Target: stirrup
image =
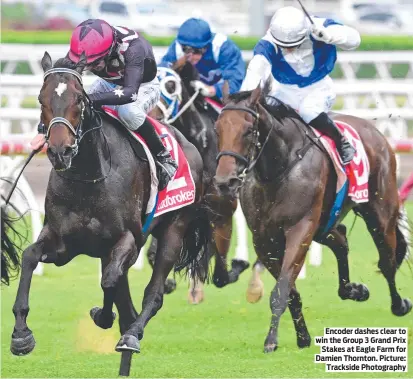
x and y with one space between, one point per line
166 169
347 152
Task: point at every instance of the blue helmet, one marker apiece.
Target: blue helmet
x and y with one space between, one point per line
195 33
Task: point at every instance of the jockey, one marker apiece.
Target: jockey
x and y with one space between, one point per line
126 67
214 55
300 56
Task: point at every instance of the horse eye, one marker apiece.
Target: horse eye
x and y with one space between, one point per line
79 99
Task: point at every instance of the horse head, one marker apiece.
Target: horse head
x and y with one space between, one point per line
63 102
237 129
171 95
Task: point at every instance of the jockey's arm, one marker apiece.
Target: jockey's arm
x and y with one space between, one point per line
259 70
134 66
343 36
232 68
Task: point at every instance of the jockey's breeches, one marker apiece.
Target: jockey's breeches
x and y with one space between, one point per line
308 101
132 114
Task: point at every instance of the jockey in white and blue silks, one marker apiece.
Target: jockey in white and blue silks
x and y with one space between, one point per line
214 55
300 56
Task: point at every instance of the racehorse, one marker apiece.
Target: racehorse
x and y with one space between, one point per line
287 187
95 204
195 120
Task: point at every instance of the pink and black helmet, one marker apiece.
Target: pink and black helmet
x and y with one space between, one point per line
94 37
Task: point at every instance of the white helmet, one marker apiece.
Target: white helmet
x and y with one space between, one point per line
289 27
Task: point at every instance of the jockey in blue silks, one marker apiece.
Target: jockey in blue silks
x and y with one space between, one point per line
300 56
214 55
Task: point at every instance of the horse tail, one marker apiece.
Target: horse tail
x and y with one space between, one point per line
404 228
11 242
196 248
12 239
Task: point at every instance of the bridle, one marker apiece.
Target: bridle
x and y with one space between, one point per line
78 131
172 100
249 161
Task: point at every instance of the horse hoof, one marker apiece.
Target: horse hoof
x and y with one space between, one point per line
304 341
128 342
22 346
96 315
170 286
255 291
270 348
354 291
219 282
405 308
239 265
195 297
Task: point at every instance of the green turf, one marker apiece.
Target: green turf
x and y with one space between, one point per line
223 337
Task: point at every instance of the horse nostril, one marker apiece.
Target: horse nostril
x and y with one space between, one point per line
67 150
234 183
227 186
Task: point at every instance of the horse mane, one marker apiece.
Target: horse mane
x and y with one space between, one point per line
65 62
274 106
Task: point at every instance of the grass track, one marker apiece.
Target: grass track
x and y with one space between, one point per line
223 337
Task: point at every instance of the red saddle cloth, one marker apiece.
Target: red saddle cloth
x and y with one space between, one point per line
180 191
357 171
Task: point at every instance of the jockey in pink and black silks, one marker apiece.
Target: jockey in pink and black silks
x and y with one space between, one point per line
298 56
125 64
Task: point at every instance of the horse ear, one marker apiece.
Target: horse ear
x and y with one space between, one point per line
256 95
46 62
225 93
80 66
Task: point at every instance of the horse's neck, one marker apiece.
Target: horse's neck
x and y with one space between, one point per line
281 149
195 127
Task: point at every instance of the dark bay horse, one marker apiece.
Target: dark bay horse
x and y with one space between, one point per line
196 123
95 204
287 186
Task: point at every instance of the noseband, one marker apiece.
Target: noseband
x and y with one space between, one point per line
248 161
77 132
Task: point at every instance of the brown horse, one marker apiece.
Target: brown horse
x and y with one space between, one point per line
287 187
196 123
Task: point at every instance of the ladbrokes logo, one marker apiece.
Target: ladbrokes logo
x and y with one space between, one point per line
179 198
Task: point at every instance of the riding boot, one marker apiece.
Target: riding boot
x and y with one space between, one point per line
165 165
326 125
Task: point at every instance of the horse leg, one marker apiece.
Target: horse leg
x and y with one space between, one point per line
123 301
22 341
381 221
298 239
294 303
169 247
222 237
255 290
113 267
336 240
170 284
296 309
196 291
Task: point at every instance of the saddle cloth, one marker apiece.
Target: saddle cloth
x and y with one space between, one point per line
352 179
214 104
180 191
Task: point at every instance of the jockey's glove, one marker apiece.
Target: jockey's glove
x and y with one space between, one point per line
203 88
320 33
